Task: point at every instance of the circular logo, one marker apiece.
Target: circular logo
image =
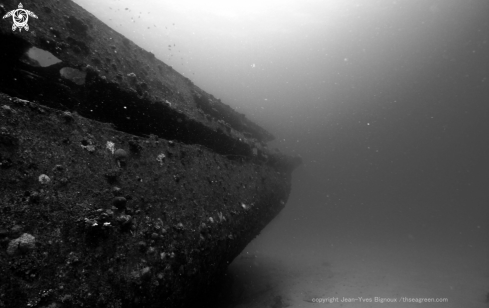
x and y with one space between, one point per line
20 17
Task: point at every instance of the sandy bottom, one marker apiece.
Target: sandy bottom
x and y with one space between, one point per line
357 271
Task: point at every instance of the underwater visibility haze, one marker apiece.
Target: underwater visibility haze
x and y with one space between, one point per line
389 91
386 101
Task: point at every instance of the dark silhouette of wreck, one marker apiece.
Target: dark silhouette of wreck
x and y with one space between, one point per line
122 184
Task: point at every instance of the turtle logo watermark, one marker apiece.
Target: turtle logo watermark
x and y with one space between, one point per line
20 18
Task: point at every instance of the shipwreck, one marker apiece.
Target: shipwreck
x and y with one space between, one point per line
122 184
